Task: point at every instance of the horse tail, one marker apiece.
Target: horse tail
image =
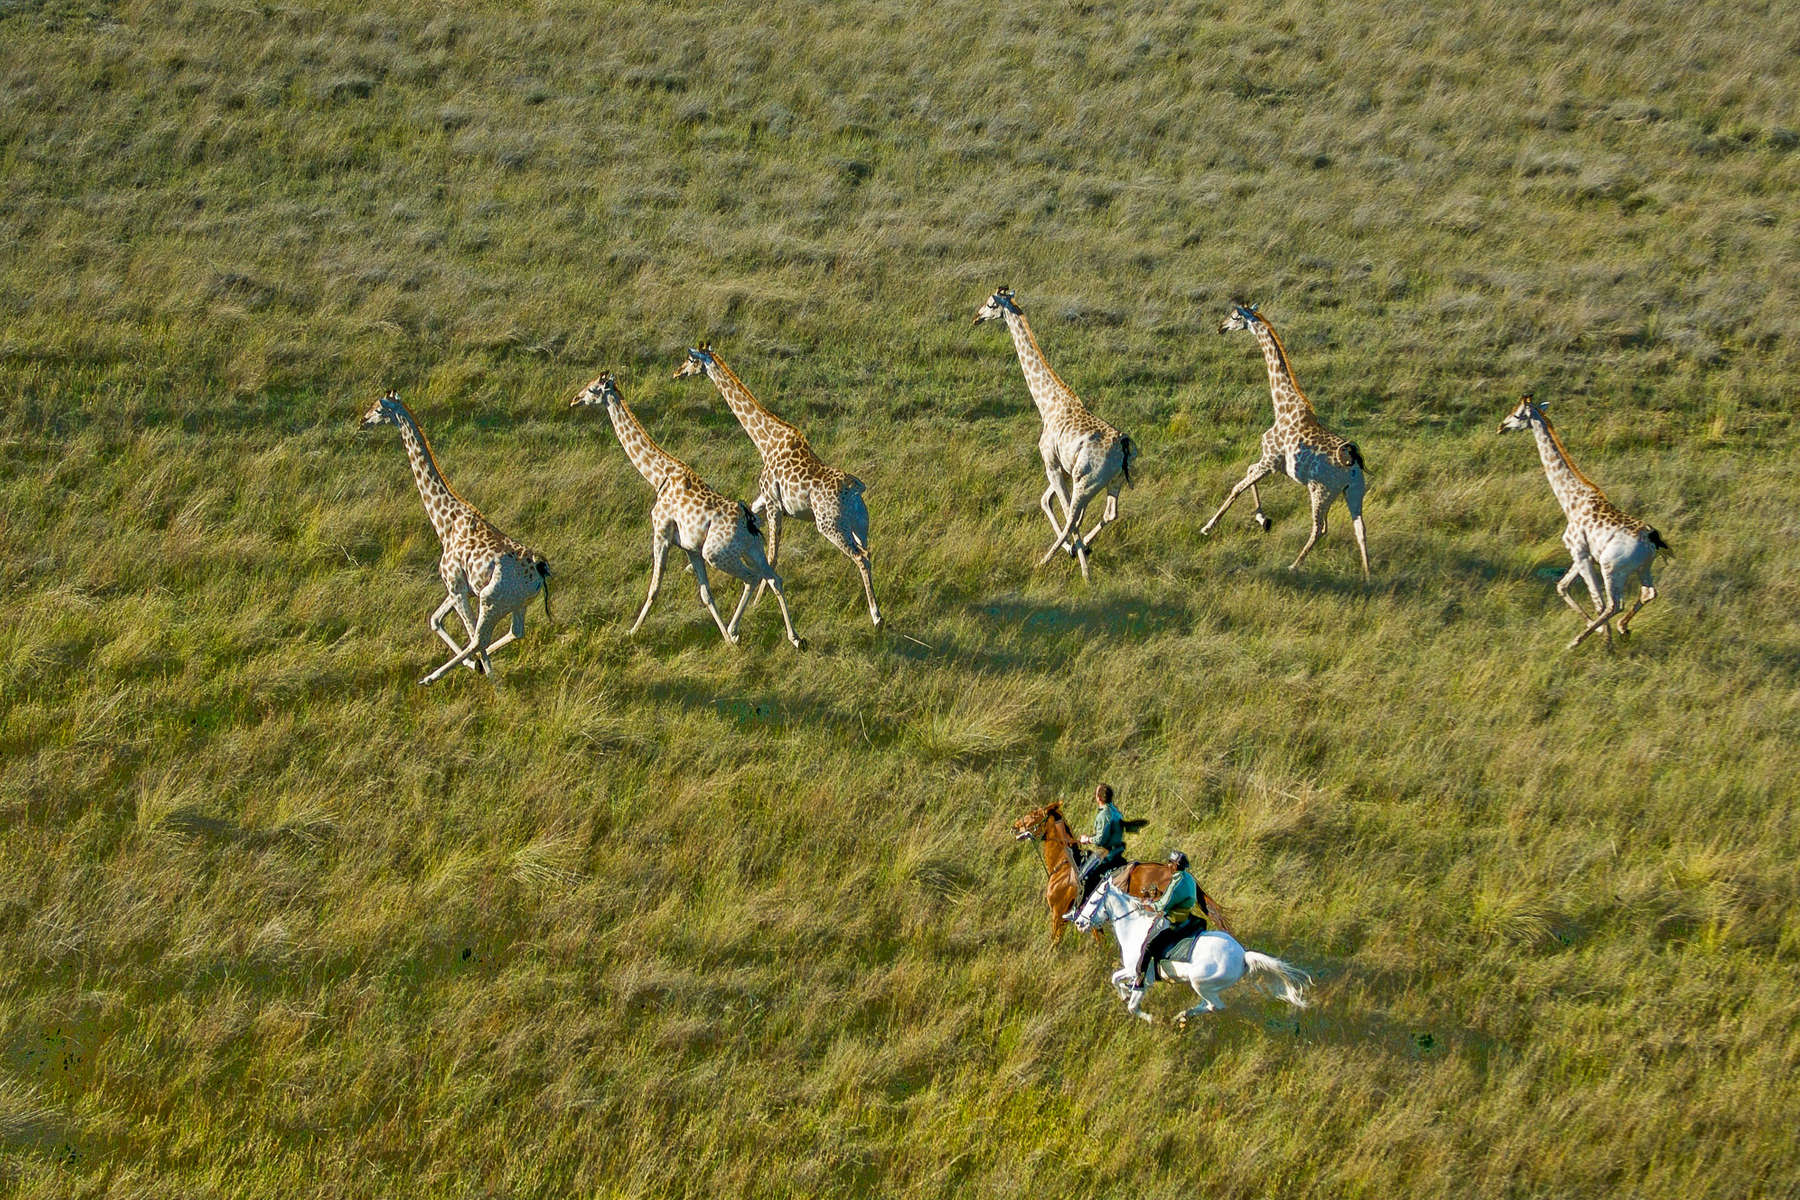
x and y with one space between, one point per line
1130 452
1656 539
1289 981
1135 824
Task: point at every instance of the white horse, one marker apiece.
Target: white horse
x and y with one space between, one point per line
1217 961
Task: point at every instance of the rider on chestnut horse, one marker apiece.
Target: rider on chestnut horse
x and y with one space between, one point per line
1108 842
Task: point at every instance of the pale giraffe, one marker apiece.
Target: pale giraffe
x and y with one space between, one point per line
479 563
1083 455
795 482
1608 547
713 529
1298 446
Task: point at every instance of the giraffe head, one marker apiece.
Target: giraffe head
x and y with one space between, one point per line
1241 316
1522 416
602 391
698 359
385 410
997 306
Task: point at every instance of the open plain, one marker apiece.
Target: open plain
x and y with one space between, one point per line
656 916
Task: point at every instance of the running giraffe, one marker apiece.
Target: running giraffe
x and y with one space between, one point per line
1608 547
795 482
479 562
711 528
1083 455
1298 446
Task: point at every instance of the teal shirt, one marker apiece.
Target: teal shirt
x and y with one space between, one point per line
1182 897
1109 830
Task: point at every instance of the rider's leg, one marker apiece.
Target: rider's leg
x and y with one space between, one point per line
1091 871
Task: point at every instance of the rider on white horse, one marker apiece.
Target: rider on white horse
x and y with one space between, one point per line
1216 962
1179 904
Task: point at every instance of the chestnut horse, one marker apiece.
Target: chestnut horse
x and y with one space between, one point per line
1061 863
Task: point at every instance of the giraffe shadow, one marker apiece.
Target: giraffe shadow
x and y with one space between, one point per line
1116 616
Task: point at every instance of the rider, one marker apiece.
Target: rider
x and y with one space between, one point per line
1108 841
1183 906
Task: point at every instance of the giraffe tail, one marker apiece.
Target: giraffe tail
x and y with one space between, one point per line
543 570
1355 456
1129 452
1656 539
853 484
750 519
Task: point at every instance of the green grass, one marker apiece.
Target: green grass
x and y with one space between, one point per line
656 916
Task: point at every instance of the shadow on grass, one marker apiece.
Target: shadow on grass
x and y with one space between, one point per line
198 826
1117 616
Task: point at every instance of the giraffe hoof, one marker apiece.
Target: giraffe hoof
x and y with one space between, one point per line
1264 523
801 645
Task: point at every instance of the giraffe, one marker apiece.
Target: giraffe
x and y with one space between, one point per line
1608 547
1298 446
795 482
711 528
1083 455
479 563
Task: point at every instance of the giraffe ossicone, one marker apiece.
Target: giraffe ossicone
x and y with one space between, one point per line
1083 456
1607 547
795 482
1298 446
711 528
488 577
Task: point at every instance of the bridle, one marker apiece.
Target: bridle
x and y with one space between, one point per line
1041 832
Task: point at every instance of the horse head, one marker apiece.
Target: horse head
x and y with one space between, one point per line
1037 822
1104 905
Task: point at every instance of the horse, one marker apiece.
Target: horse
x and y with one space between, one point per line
1216 962
1063 866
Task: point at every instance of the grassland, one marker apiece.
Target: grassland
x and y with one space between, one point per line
657 917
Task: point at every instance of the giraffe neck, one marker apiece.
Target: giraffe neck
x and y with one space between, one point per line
1048 391
1289 400
654 463
1569 484
764 427
441 504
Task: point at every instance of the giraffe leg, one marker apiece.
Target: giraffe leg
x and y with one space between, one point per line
853 526
659 550
1321 503
1562 589
773 518
1076 508
1262 522
1646 594
1353 498
511 635
484 628
1614 602
1251 478
1107 517
1603 620
461 604
699 565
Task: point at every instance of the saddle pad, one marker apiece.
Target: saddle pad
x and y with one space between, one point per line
1182 951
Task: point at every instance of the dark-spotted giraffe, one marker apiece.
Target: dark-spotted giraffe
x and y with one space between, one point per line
713 529
1083 455
795 481
479 564
1298 446
1608 547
